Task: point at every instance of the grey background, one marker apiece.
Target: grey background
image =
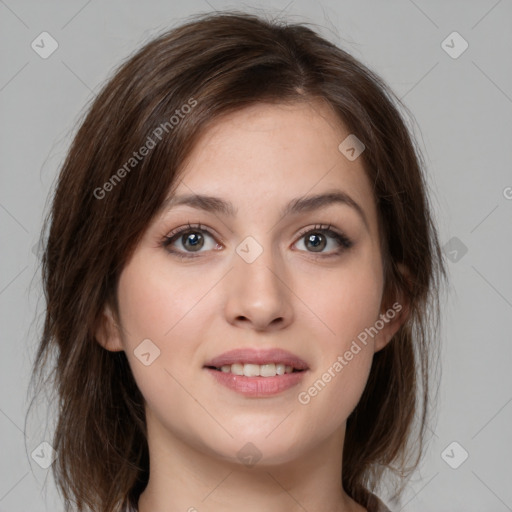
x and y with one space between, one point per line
463 113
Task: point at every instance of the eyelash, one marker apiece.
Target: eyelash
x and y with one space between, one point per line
342 239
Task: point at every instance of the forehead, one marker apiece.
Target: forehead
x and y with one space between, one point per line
261 156
273 133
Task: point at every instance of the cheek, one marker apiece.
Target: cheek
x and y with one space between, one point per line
333 391
162 309
345 304
155 304
341 303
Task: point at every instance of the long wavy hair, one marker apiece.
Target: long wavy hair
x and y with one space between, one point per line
220 63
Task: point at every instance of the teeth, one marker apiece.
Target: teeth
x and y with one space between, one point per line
257 370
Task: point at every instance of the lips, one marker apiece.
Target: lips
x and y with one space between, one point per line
255 356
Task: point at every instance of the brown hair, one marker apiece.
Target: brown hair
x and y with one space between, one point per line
216 64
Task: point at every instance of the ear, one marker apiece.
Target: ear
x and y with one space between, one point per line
393 314
107 331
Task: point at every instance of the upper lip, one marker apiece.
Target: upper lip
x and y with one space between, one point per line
258 356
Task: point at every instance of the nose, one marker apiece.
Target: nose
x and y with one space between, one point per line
259 293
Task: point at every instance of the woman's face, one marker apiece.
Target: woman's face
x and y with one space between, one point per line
253 278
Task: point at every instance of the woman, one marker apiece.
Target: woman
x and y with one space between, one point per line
240 271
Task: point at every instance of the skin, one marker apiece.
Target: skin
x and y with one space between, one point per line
195 309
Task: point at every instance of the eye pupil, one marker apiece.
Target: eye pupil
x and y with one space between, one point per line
196 240
317 245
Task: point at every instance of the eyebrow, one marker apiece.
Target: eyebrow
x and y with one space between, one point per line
294 207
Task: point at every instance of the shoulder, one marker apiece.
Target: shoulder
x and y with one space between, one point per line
376 505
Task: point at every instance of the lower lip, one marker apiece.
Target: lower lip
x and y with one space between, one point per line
257 386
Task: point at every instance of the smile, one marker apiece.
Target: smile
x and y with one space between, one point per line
256 370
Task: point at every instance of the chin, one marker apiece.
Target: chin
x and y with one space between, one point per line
260 451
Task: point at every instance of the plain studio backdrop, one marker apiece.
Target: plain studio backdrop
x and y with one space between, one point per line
450 64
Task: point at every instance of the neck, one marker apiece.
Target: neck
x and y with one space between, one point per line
186 477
